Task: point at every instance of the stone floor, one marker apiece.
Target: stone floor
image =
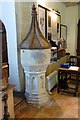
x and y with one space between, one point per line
61 105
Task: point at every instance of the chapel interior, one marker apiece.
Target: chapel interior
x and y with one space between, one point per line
39 59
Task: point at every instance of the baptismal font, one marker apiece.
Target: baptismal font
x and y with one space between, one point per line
35 57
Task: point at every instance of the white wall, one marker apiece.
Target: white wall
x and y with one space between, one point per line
55 5
71 22
62 8
9 20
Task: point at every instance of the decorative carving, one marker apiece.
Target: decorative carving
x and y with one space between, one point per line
6 113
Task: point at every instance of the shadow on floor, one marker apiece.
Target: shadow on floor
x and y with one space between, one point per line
18 98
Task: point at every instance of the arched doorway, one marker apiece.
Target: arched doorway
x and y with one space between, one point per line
4 43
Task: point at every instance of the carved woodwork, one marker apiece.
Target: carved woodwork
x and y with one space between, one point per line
7 103
6 113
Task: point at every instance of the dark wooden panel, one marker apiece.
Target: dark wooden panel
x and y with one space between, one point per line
4 42
78 42
3 47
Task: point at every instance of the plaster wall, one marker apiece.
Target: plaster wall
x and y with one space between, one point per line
23 18
79 11
55 5
71 22
62 8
